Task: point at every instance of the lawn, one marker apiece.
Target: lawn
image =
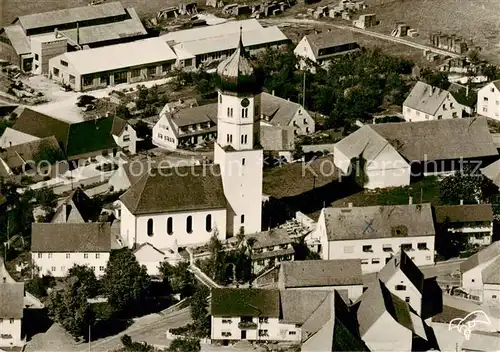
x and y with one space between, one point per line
423 191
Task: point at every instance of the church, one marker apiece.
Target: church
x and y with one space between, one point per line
184 206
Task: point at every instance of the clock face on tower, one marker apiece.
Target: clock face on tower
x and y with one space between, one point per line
245 102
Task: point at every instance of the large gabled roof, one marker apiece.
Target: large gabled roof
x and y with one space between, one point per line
298 305
71 15
439 139
83 204
273 237
84 237
464 213
182 188
231 302
280 111
481 257
329 39
316 273
491 274
381 221
402 262
426 98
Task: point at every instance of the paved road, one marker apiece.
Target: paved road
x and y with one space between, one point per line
291 20
152 331
460 303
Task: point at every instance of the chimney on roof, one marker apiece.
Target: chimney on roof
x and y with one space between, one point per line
410 200
461 202
329 29
4 280
431 91
349 205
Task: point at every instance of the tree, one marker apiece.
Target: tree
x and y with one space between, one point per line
180 279
86 277
184 345
125 283
122 111
199 312
70 308
435 79
142 129
466 186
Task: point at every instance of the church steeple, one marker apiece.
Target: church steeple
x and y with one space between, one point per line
237 74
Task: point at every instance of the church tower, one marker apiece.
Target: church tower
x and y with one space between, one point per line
238 150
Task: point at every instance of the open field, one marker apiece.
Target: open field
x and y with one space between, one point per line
10 9
478 20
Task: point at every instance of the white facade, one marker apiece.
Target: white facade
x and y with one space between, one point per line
164 135
374 253
386 334
472 280
151 258
10 332
241 168
491 294
135 228
266 329
488 101
402 287
57 264
388 169
11 137
480 234
449 109
127 140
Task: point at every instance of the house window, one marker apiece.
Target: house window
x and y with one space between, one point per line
101 268
64 63
242 139
97 256
422 246
387 247
72 79
85 256
231 138
226 321
68 255
189 224
88 80
485 99
292 333
150 227
407 299
227 137
208 223
455 115
244 112
50 255
364 261
188 62
375 260
367 249
56 72
36 57
126 138
226 334
348 249
63 269
166 67
263 320
40 255
93 268
152 71
242 218
246 141
406 246
451 105
263 333
243 161
400 287
485 109
492 90
53 269
444 106
170 226
11 321
135 73
440 117
494 296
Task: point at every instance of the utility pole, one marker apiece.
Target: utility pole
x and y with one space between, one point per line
304 91
90 339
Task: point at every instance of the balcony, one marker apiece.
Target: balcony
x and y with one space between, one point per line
247 325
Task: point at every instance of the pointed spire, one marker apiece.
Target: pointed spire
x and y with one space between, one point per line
241 47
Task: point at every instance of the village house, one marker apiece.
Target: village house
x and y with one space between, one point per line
79 141
55 248
151 257
464 96
475 221
321 320
488 100
185 127
77 208
269 248
277 140
379 311
390 154
426 102
12 294
203 45
374 233
137 61
343 276
480 274
320 48
31 41
35 159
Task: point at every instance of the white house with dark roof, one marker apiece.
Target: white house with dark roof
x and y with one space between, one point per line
320 48
488 100
124 135
386 322
11 309
392 153
269 248
472 220
374 234
426 102
480 274
150 256
55 248
343 276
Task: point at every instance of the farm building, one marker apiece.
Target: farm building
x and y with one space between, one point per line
132 62
31 40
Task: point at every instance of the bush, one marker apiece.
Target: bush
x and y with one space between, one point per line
184 345
84 100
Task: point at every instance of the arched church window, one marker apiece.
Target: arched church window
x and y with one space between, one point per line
150 227
189 224
170 226
242 218
220 98
246 140
242 139
208 223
